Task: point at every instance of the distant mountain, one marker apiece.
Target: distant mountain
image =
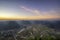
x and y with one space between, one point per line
26 22
3 24
51 24
13 24
7 25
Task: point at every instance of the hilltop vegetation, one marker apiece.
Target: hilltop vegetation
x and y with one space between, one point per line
38 32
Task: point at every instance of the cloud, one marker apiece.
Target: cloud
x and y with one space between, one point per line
37 12
52 13
42 15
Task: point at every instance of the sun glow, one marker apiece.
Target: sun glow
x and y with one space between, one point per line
17 17
13 16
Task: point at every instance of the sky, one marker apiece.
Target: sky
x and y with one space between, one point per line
30 9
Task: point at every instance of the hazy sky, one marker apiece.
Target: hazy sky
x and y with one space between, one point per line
30 9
